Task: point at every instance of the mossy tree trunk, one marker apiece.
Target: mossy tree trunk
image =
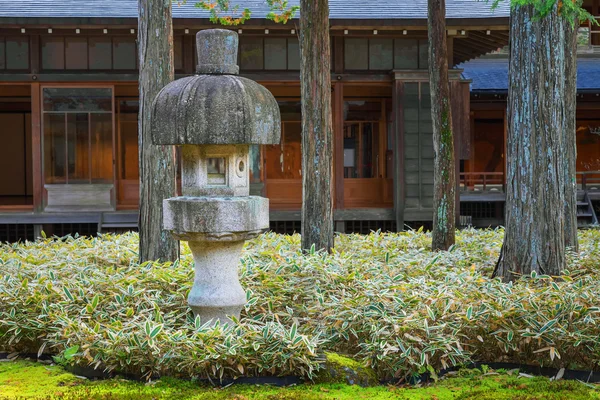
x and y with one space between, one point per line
156 163
535 200
444 180
569 130
317 137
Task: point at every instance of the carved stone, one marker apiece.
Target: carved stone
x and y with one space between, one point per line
215 116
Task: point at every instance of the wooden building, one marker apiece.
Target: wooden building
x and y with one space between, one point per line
69 101
483 174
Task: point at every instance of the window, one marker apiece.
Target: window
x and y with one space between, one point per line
100 52
89 53
53 53
275 53
418 146
216 171
269 53
406 54
251 53
124 53
78 135
361 139
293 54
356 53
14 53
76 52
384 54
381 54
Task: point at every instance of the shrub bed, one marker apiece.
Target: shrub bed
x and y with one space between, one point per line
384 299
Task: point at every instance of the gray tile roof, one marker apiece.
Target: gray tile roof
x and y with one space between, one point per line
491 74
339 9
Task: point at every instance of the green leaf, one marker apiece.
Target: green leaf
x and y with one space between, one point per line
95 301
548 325
70 352
157 329
293 331
469 312
68 293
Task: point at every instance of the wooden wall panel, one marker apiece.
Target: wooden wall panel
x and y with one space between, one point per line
461 124
368 193
12 155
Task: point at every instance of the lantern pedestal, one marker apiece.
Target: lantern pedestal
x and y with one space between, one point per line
216 229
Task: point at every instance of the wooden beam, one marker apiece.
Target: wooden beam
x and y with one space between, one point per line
362 214
36 147
194 24
261 77
398 147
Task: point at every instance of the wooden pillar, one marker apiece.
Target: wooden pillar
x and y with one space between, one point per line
338 151
450 48
472 149
398 149
36 147
505 123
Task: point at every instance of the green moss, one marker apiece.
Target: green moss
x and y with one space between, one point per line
28 380
340 369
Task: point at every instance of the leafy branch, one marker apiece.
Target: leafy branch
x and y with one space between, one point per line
572 10
222 12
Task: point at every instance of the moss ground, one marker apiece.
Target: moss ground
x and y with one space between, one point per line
29 380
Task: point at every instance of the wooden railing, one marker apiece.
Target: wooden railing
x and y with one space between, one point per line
481 181
588 180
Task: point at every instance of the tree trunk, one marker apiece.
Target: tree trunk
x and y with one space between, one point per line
444 184
535 199
317 137
569 130
157 163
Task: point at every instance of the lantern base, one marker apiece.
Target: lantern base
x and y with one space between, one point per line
216 294
216 229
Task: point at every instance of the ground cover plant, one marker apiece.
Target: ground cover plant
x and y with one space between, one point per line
383 299
53 382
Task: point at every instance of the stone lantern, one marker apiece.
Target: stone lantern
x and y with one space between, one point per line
215 116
